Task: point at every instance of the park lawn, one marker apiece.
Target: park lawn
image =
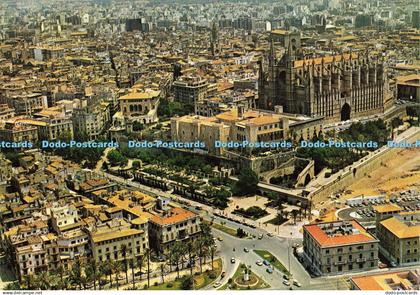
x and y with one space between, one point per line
264 254
225 229
239 271
176 285
200 280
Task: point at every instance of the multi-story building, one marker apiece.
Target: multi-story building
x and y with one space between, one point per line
390 281
190 89
112 240
339 246
16 130
239 124
337 87
175 224
51 125
400 238
27 104
6 112
140 106
90 121
45 53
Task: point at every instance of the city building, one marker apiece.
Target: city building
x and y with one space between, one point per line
174 224
339 246
190 89
400 238
140 106
116 240
405 280
337 87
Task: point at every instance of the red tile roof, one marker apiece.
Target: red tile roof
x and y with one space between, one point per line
327 241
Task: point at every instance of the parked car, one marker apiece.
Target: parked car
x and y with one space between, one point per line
259 262
232 260
246 250
286 282
296 283
269 270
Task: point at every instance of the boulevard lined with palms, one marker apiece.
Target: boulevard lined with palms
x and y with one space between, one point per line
132 272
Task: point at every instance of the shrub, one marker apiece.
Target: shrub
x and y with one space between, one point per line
155 284
212 275
169 285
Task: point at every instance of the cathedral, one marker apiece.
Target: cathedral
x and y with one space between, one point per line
337 87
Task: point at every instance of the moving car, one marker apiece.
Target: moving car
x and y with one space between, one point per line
246 250
232 260
296 283
217 285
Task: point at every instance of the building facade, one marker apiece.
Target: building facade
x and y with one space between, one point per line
176 224
339 246
337 87
400 238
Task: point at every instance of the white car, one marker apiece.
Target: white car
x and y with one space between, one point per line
296 283
232 260
259 262
217 285
286 282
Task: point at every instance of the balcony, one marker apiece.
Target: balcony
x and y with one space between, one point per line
361 260
340 262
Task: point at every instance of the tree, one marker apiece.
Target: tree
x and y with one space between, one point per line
125 266
92 272
75 276
213 250
115 158
147 253
133 266
136 164
116 265
43 281
247 183
107 270
187 283
240 233
140 263
177 252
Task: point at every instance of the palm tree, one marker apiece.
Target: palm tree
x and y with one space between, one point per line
125 266
147 253
91 272
116 266
212 252
29 280
60 271
106 270
198 245
42 281
177 252
75 276
140 263
133 266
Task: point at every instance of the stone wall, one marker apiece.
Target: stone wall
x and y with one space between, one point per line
347 176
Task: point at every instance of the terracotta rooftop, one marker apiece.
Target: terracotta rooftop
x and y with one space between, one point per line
176 215
359 235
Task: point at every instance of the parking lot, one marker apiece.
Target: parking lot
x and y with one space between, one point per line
365 211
